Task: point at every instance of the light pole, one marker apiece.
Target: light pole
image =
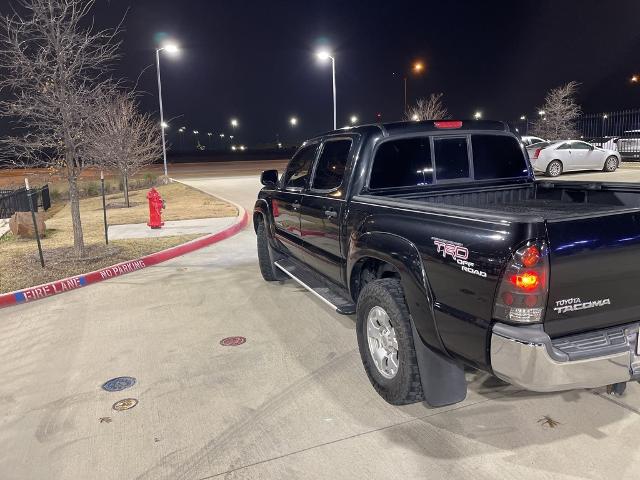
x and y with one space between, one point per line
604 117
170 48
197 134
324 55
417 68
526 124
181 132
209 134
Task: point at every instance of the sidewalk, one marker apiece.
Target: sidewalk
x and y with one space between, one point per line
170 228
4 226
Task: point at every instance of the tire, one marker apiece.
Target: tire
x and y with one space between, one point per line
554 169
405 386
267 268
610 164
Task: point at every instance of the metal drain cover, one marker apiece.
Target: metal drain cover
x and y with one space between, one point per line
125 404
232 341
118 384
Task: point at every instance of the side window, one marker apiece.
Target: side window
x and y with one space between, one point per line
299 168
497 156
402 163
451 158
331 164
580 146
564 146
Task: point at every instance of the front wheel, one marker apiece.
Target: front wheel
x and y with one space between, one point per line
610 164
554 168
385 342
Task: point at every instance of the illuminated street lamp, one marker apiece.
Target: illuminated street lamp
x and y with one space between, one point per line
523 117
164 125
634 78
209 134
541 113
477 115
323 56
293 121
171 49
354 119
415 117
234 123
222 135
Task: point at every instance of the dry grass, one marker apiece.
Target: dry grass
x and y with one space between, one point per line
19 264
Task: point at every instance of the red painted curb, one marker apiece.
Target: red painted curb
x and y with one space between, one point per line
49 289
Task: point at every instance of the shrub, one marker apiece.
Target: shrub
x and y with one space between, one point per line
149 179
55 195
93 189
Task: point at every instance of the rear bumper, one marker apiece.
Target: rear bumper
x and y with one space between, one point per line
527 357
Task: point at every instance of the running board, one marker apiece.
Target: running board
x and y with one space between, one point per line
332 295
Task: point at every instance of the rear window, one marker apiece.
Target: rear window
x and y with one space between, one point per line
452 158
497 156
402 163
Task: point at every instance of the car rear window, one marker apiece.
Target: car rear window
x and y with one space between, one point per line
451 158
402 163
497 156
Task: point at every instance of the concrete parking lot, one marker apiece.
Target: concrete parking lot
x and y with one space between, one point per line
293 402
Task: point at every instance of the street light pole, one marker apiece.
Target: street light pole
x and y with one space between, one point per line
333 74
164 145
324 55
171 48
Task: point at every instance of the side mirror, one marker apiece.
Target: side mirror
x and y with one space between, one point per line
269 178
591 147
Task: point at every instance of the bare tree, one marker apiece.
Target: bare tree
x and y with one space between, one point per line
431 108
122 138
54 67
559 113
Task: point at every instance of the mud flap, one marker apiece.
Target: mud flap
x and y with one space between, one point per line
443 381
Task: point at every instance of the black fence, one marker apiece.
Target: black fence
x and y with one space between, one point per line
12 201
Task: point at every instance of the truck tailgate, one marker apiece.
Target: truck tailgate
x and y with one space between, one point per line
594 273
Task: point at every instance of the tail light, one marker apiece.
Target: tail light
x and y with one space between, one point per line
448 124
536 154
523 290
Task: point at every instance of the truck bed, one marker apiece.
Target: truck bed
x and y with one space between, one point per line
549 200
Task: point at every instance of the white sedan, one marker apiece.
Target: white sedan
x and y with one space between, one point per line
572 155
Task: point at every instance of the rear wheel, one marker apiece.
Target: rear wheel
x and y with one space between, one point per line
385 342
554 168
610 164
268 269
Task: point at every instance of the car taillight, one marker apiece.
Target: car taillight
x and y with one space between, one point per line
524 286
536 154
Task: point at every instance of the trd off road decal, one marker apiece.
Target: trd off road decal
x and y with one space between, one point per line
459 253
575 304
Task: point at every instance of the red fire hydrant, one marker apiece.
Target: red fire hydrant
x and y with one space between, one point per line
156 204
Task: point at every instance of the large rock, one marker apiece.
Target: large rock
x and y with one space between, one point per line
21 225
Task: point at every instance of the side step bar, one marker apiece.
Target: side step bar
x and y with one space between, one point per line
332 295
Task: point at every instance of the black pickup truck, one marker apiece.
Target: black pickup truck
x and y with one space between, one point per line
450 253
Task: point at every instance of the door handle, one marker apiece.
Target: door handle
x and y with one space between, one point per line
295 205
331 213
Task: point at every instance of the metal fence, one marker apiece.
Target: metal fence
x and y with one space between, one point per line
610 124
12 201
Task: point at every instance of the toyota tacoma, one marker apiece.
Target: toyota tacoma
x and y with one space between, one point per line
449 252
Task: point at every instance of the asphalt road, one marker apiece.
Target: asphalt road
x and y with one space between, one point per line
293 402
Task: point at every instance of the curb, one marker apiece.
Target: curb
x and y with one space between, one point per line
46 290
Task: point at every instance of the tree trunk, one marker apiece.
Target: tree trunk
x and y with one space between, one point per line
126 189
74 199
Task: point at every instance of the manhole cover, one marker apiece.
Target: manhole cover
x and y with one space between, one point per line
119 383
125 404
232 341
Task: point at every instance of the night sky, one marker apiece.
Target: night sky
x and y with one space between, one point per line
255 60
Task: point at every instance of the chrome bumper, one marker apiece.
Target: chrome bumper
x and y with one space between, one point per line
526 356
